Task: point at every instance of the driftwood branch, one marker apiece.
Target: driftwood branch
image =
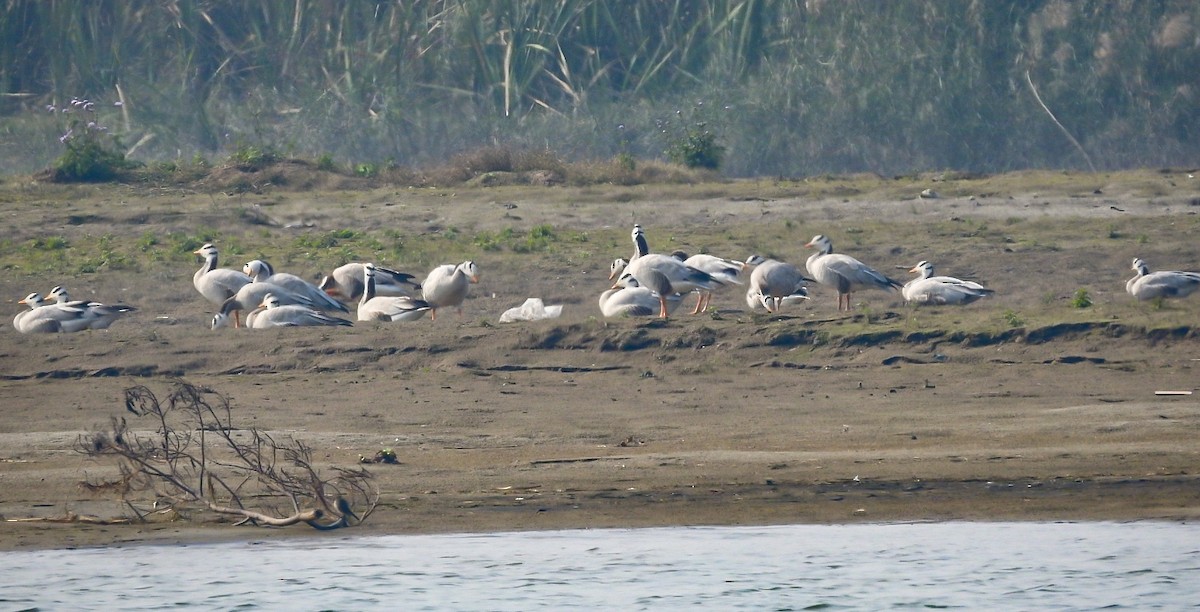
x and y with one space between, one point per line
197 458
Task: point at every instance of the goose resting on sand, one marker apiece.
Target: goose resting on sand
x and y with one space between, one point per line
1148 285
262 272
387 307
346 282
272 313
252 295
940 290
843 272
68 316
447 285
633 300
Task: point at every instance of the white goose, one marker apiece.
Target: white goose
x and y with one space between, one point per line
725 271
273 313
262 272
346 282
252 295
940 290
633 300
46 317
447 285
756 302
387 307
775 281
30 321
97 315
683 278
217 284
1148 285
843 272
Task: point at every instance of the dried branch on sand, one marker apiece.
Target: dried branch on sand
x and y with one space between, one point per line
195 457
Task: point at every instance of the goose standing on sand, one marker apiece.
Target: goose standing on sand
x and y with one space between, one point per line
97 315
630 299
387 307
775 281
726 272
1148 285
683 278
940 290
346 282
262 272
447 285
659 286
273 313
843 272
217 284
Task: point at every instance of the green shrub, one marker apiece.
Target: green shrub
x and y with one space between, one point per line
1081 299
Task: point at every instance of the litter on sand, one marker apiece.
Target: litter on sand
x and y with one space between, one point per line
532 310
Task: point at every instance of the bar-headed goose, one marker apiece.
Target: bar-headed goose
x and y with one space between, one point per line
71 316
447 286
387 307
262 272
346 282
97 315
940 290
273 313
726 272
217 284
1147 285
629 299
843 272
775 281
252 295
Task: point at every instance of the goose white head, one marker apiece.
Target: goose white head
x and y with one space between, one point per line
33 300
617 267
269 301
257 268
58 294
923 268
1140 266
753 261
470 269
821 243
207 251
220 320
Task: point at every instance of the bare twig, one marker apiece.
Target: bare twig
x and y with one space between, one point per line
196 455
1079 147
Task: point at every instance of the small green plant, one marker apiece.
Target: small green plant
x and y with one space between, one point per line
1081 299
690 141
250 158
1013 318
366 170
92 155
325 163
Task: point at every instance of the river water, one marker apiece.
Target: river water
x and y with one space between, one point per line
973 566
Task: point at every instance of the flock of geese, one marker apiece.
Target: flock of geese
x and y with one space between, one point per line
645 285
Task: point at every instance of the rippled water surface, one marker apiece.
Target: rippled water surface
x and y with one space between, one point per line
1009 566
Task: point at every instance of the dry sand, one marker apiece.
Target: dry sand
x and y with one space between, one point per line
887 414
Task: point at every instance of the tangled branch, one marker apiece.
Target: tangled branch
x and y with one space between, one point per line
196 457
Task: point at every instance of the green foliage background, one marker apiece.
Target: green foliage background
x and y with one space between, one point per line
789 87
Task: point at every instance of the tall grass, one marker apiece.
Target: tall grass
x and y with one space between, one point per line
804 87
